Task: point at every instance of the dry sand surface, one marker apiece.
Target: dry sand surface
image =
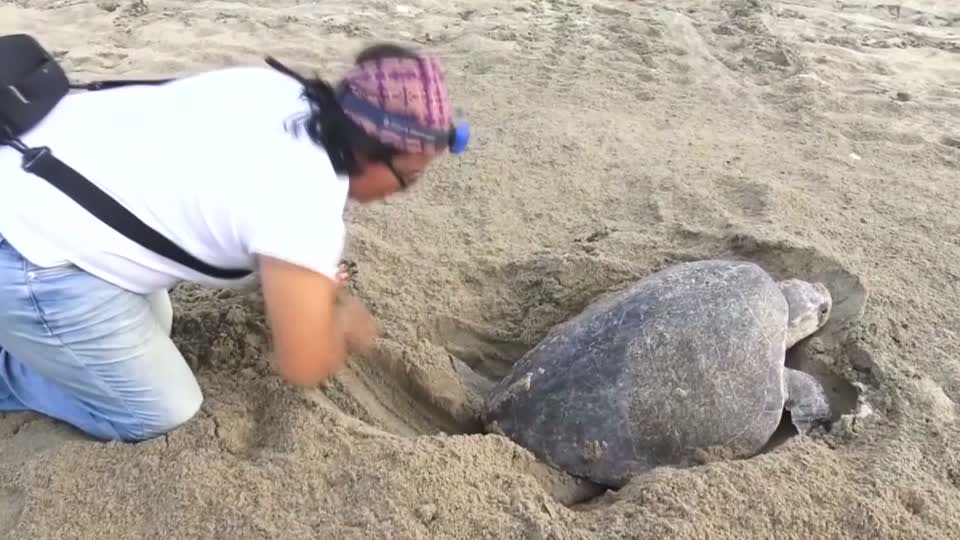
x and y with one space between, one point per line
820 138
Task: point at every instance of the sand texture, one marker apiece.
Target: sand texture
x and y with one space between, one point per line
611 138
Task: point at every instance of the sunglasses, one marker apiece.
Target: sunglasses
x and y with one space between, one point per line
404 182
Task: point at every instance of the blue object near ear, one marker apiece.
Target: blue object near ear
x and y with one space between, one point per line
460 137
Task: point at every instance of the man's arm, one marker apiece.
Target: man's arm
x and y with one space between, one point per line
301 310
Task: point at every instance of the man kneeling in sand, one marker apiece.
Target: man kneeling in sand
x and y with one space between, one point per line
242 167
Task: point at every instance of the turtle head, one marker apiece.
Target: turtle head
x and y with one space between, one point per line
808 305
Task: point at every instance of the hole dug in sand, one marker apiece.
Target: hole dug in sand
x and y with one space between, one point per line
481 357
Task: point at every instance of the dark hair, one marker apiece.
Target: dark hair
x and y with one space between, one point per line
329 127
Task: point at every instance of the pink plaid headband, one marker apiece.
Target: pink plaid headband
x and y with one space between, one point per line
410 87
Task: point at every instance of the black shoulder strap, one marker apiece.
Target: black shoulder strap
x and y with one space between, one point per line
105 85
41 162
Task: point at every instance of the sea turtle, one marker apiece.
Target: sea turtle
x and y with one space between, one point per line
687 360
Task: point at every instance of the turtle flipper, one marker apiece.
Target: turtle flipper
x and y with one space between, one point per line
807 401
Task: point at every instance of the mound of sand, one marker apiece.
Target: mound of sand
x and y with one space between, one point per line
612 138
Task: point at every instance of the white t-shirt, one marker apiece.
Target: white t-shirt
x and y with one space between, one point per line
206 160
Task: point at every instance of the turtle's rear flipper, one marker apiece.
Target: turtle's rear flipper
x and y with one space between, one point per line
807 402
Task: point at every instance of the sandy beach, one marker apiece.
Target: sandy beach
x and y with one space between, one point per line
611 138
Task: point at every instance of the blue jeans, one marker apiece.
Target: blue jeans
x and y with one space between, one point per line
86 352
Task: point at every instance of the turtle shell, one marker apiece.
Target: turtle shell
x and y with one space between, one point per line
686 360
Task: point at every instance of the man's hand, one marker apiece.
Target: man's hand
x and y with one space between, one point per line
343 276
357 326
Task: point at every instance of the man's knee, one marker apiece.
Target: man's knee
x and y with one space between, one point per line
170 412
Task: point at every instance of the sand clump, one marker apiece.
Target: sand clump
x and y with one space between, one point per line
611 139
